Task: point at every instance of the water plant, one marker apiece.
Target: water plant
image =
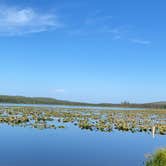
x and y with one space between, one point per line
157 159
85 118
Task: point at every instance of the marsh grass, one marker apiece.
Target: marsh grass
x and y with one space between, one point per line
157 159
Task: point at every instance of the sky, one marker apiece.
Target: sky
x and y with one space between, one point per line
93 50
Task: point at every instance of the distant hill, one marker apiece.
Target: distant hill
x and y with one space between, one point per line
36 100
43 100
159 103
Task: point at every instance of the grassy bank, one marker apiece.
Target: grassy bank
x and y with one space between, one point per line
157 159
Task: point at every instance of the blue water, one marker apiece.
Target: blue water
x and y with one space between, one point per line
74 147
66 106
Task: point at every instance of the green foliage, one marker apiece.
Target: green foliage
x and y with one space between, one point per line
35 100
157 159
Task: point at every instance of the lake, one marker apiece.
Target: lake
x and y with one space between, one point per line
67 106
26 143
74 147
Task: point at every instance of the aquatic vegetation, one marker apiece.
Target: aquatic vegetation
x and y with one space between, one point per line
86 118
84 124
61 127
157 159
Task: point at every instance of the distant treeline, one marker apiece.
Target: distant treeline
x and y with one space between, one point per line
35 100
42 100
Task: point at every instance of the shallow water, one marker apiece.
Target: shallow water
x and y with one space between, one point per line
74 147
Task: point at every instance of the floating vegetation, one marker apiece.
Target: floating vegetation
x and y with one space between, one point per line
89 119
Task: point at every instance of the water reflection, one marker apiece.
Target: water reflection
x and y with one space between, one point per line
153 131
71 146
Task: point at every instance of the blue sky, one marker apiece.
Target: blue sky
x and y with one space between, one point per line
93 50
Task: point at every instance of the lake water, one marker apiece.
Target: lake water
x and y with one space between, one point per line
71 146
74 147
66 106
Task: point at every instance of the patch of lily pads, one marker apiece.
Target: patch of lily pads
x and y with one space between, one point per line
86 118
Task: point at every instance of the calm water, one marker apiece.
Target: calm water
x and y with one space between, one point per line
74 147
65 106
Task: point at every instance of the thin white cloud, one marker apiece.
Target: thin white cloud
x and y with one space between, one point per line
18 21
140 41
59 90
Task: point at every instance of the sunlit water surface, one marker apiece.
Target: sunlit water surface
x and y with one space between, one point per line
74 147
67 106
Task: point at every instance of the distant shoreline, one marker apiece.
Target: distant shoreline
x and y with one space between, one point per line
52 101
